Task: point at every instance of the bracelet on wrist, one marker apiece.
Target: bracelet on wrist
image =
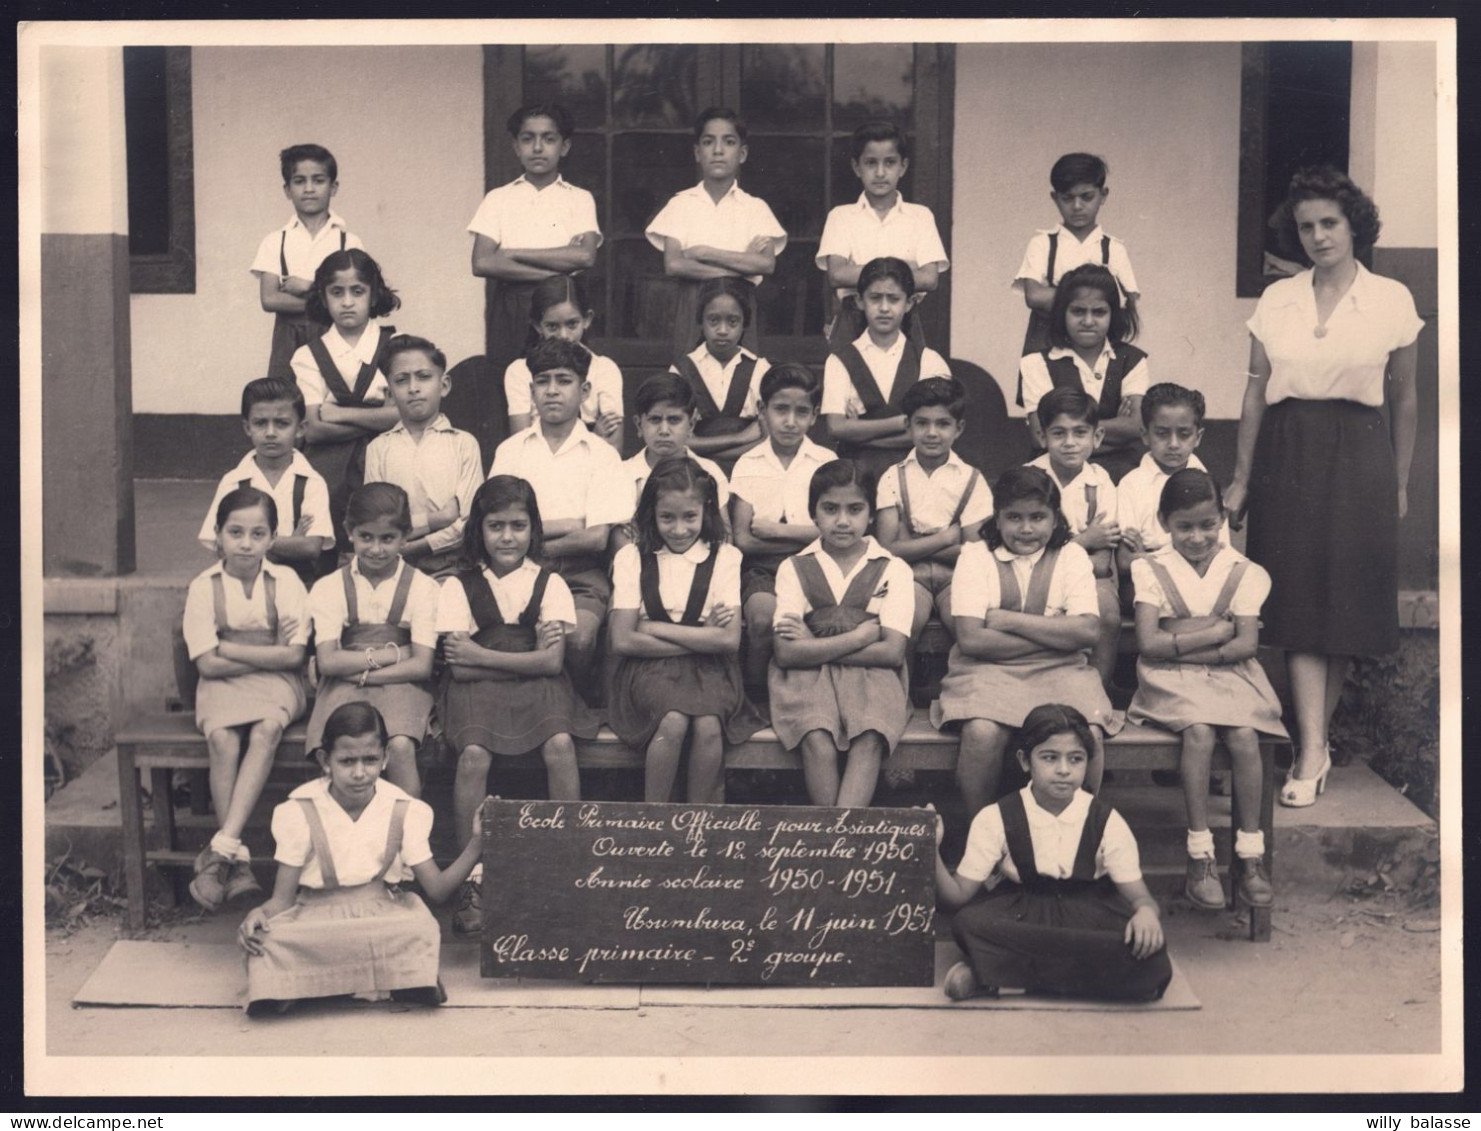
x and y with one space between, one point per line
370 661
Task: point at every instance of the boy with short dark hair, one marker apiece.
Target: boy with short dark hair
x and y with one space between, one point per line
715 228
1070 420
880 223
579 486
932 501
272 418
1078 188
769 494
437 465
287 258
1172 429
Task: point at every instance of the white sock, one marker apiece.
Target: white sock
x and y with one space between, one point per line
1200 844
228 846
1249 845
476 876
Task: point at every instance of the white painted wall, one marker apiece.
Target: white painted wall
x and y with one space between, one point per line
1166 119
83 166
405 124
1404 144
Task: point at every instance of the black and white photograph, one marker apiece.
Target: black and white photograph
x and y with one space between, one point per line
718 556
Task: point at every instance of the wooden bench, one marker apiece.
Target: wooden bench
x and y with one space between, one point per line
163 743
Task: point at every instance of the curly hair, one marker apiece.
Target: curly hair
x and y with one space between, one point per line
1323 182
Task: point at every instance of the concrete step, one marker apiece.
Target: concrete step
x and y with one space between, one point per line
1358 822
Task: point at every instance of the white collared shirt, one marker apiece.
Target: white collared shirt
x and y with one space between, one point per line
717 377
975 589
444 464
1056 842
1070 253
315 498
729 224
330 613
604 393
839 395
857 233
675 576
893 600
777 493
1138 496
1200 593
358 846
304 252
583 479
520 215
512 594
1375 317
1074 497
347 359
934 497
242 611
636 470
1037 383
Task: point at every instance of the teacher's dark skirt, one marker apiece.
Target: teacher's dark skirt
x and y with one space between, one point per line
1072 944
1324 520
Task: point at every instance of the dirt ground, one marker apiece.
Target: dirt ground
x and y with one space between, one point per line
1340 976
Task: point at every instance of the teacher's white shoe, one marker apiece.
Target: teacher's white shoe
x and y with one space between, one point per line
1299 793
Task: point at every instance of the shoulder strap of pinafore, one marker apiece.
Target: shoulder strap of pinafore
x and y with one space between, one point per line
481 603
403 591
1063 372
335 381
1011 599
393 835
907 374
319 842
740 385
1231 584
1169 589
708 409
1016 833
1091 834
861 378
530 616
1105 251
699 589
1053 254
814 584
352 599
906 523
1091 491
861 589
961 504
283 254
218 601
343 239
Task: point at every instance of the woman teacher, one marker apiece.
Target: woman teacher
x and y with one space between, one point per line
1324 484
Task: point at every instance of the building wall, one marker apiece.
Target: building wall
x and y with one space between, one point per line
1165 117
411 175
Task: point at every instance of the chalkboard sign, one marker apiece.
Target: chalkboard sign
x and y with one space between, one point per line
781 896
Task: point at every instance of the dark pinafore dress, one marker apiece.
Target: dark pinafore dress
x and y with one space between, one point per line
876 407
716 419
406 707
238 700
843 700
1064 373
342 462
291 331
932 576
1057 936
372 937
505 713
1005 691
644 689
1176 694
1036 337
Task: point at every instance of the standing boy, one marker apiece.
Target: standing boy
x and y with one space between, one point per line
881 222
287 258
932 501
272 418
437 465
1070 421
1078 188
715 229
536 226
579 486
768 510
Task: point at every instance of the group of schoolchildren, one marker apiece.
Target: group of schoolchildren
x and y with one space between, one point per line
733 568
